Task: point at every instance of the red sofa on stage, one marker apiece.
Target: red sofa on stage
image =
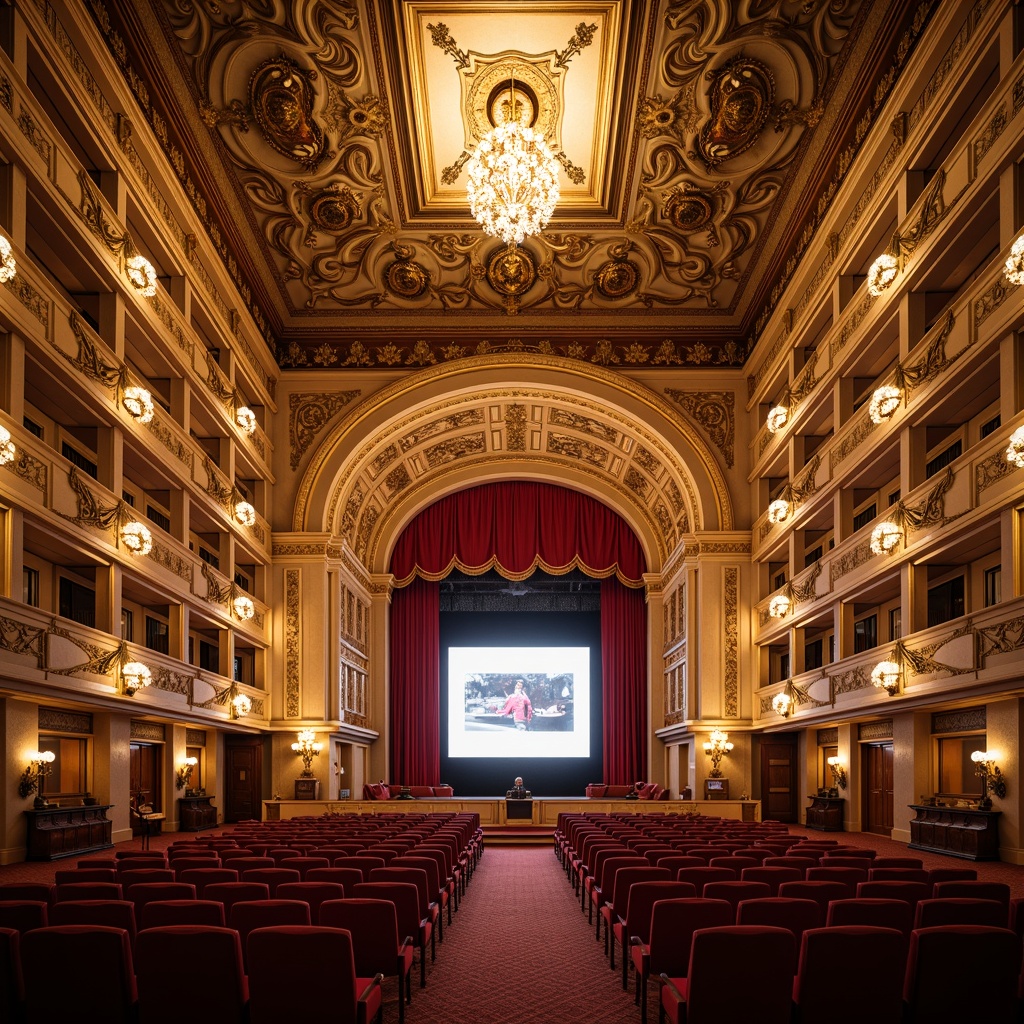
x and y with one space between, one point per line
391 791
641 790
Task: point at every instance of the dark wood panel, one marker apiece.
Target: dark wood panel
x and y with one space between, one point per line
779 778
878 798
244 784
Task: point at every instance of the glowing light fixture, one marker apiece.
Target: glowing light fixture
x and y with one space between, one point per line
1015 449
884 538
513 180
886 676
988 770
716 748
244 608
184 772
882 273
778 606
777 418
142 275
38 768
246 419
7 449
134 677
241 705
137 538
782 704
8 266
139 403
245 513
1013 268
778 511
838 771
307 748
884 403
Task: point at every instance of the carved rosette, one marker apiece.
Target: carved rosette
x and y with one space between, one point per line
511 272
616 279
406 279
334 209
741 92
281 99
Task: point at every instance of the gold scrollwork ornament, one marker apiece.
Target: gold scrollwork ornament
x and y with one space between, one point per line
511 272
616 279
406 279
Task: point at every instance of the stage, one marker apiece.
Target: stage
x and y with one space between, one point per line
494 811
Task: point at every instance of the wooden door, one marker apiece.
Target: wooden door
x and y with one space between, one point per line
244 757
779 788
878 795
144 778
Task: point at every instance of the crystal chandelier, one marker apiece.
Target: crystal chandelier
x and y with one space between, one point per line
513 180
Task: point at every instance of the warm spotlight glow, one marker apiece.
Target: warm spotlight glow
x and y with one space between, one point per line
777 418
307 748
241 705
246 419
882 273
778 606
245 513
137 538
778 511
1015 449
884 403
244 608
885 537
142 275
139 403
886 676
135 676
8 266
1014 266
7 449
782 704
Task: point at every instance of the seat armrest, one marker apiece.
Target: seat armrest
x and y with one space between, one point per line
374 983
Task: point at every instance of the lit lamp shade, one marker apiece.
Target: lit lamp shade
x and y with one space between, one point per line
884 403
1014 266
139 403
778 511
142 275
245 513
135 676
886 676
241 705
244 608
777 418
137 538
7 449
1015 449
778 606
782 704
8 266
882 273
885 537
246 419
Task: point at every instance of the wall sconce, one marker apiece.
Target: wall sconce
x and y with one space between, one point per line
882 273
38 768
307 748
142 274
782 705
778 511
1013 268
7 449
988 770
137 538
244 608
139 403
886 676
716 748
134 676
1015 449
184 772
8 267
241 705
778 606
245 513
777 418
884 403
246 419
885 537
838 771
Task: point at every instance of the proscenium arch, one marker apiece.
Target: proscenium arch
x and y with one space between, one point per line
487 418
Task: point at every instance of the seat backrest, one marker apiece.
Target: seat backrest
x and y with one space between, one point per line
641 899
406 899
262 914
322 957
97 975
876 912
909 892
936 875
40 892
415 876
159 913
961 951
699 877
22 915
797 915
147 892
363 861
304 864
960 910
316 894
343 876
898 875
673 924
736 863
773 876
769 958
140 876
897 862
976 890
216 978
62 875
878 954
272 877
373 925
735 891
12 982
625 878
230 893
202 877
848 876
87 891
109 913
241 864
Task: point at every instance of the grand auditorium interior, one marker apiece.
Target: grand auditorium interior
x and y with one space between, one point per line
311 450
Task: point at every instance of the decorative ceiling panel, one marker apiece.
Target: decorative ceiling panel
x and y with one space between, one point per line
331 137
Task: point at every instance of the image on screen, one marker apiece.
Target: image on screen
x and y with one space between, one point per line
547 716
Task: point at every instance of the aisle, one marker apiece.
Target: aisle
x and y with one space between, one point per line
519 950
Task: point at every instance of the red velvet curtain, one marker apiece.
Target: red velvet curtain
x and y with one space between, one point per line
515 527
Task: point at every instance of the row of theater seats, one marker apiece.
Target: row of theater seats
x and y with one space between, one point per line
671 916
387 888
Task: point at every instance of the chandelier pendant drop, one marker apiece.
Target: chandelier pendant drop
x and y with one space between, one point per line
513 180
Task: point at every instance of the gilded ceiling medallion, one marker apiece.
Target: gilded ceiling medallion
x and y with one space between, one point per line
281 99
334 209
617 278
688 209
406 278
511 272
741 102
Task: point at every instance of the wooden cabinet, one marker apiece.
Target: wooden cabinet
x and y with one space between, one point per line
196 813
307 789
956 831
825 813
55 832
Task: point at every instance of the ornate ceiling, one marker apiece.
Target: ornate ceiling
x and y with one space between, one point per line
324 142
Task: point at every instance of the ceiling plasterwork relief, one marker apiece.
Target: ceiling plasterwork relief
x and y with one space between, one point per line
344 128
511 426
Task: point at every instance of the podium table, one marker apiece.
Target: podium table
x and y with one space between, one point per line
518 810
